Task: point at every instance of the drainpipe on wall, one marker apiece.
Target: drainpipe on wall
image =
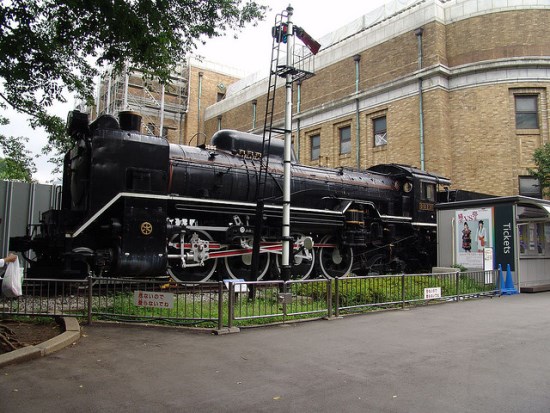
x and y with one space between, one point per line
254 113
298 108
418 32
199 107
357 59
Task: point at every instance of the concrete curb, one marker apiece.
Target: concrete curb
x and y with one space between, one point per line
69 336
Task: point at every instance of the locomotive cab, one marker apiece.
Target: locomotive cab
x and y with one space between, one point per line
419 191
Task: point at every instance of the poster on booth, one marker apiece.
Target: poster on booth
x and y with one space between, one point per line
473 233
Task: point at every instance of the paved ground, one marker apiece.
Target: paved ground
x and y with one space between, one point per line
488 355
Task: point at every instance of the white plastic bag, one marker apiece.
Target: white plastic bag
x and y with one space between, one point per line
12 284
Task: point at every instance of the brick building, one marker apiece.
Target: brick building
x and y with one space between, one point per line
455 87
179 108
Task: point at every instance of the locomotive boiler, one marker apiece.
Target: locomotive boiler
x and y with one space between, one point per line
136 205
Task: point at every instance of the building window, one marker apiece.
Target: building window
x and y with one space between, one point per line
219 122
315 152
380 131
427 192
529 186
345 140
150 129
527 112
167 132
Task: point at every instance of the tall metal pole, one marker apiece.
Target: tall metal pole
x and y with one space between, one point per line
285 270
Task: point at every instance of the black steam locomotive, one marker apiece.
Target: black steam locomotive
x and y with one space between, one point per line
135 205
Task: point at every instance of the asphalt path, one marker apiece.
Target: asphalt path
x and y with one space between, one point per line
483 355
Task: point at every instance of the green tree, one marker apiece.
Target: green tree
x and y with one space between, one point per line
18 163
51 47
541 157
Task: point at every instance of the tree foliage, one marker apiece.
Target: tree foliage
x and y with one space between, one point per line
18 164
50 47
541 157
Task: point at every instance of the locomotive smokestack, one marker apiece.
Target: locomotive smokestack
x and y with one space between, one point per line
130 121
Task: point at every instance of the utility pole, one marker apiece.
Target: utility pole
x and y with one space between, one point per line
287 172
283 32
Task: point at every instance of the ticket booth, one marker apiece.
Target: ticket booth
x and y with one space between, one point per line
481 234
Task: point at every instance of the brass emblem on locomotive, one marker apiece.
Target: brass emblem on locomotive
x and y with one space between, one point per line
146 228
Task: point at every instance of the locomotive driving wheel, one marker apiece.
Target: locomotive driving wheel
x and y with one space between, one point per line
304 259
335 260
198 273
240 266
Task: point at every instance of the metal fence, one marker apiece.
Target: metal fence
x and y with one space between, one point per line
125 300
237 303
21 206
386 291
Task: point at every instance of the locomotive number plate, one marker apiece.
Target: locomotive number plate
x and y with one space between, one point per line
250 154
425 206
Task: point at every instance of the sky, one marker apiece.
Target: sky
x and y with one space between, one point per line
250 53
252 50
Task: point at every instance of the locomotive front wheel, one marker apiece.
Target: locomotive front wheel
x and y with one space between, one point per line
197 273
240 266
335 260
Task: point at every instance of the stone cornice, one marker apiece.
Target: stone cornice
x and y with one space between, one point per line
434 77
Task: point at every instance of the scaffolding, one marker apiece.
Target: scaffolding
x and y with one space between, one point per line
162 107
